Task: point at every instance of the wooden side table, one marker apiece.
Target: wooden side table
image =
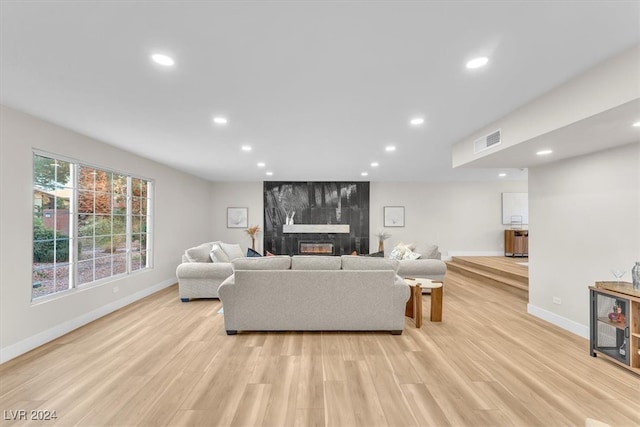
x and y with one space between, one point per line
414 305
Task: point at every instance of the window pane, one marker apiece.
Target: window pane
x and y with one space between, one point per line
119 205
85 202
86 178
143 259
119 224
62 277
85 248
135 224
103 246
119 243
135 261
103 203
136 205
42 282
120 263
120 184
136 185
85 225
103 225
103 267
85 271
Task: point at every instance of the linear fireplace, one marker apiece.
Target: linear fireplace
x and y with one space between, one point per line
315 248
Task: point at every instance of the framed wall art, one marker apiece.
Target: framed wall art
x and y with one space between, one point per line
237 217
394 216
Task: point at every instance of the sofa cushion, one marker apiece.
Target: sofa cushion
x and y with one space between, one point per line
233 251
199 253
217 254
427 251
354 262
315 262
276 262
399 250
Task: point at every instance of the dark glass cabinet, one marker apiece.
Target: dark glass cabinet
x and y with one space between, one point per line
615 323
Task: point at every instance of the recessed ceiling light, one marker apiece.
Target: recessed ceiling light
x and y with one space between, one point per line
477 62
375 164
417 121
269 173
261 164
636 124
502 175
544 152
162 59
364 173
390 148
246 148
220 120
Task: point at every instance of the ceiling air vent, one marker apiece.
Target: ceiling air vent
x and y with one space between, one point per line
487 141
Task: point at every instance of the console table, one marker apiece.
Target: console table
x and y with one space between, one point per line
516 243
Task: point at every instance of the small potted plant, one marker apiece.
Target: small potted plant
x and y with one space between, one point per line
382 236
252 232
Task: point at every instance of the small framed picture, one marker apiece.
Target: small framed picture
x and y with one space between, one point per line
394 216
237 217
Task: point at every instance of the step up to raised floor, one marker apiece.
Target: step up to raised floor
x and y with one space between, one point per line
495 271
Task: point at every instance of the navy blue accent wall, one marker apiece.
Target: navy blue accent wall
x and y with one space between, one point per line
316 203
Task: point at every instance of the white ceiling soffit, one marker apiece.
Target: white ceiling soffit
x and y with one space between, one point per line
609 129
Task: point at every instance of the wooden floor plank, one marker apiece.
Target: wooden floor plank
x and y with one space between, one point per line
165 363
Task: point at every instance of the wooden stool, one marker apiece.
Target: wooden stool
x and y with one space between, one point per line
415 299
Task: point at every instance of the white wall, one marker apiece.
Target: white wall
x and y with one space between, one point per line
462 218
584 220
181 220
237 194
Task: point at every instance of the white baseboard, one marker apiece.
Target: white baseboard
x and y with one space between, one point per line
562 322
28 344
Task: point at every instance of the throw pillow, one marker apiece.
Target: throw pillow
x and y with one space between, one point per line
232 251
218 255
409 254
199 253
399 250
251 253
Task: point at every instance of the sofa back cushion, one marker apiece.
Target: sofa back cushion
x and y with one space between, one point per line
233 251
277 262
315 262
199 253
217 254
354 262
427 251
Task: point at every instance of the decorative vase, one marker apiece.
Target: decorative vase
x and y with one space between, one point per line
380 245
253 243
635 276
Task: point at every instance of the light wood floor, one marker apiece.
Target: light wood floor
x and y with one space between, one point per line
163 362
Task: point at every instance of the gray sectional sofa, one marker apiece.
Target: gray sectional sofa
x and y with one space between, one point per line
314 293
199 276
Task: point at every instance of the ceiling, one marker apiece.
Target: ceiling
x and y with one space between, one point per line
317 89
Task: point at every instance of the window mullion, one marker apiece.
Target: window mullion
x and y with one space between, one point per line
74 254
128 226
